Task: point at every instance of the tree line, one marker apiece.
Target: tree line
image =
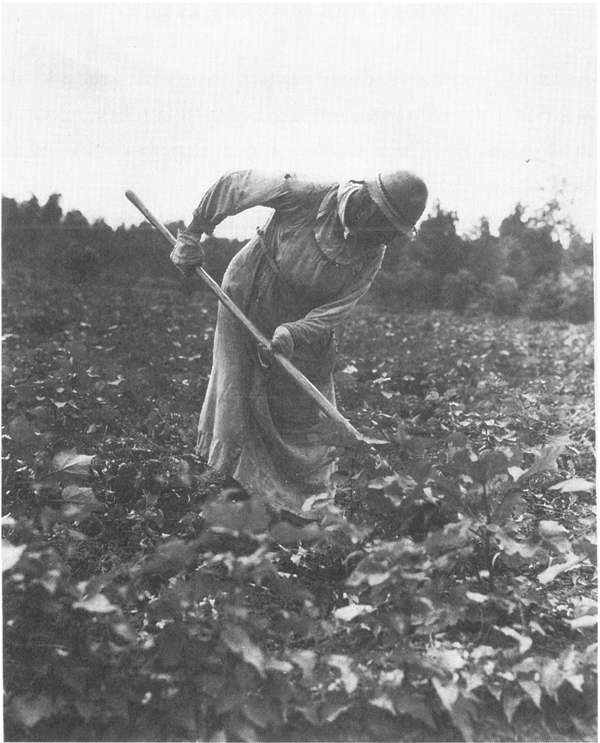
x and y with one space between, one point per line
524 269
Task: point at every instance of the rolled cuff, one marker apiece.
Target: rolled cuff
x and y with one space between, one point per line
188 250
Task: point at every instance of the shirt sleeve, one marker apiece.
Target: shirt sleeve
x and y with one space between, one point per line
234 193
324 318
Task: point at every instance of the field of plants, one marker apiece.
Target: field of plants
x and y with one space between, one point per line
449 595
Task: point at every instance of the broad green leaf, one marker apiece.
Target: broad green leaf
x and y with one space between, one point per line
11 554
551 678
124 630
240 730
231 694
306 659
282 666
532 688
372 578
511 546
516 472
548 575
30 709
383 702
344 665
489 464
584 622
473 680
571 664
116 382
462 713
576 680
507 507
310 533
457 440
313 501
575 485
478 598
348 613
382 482
392 678
170 557
524 642
332 709
219 737
259 711
41 412
414 706
238 641
71 462
79 502
97 604
21 430
51 580
448 693
510 703
583 605
373 441
310 711
589 547
391 483
551 530
450 659
546 460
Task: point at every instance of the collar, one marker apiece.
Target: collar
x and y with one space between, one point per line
332 236
345 190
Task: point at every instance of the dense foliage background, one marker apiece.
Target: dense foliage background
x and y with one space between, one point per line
450 592
524 270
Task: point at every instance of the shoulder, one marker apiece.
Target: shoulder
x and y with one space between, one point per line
301 183
288 180
292 190
304 191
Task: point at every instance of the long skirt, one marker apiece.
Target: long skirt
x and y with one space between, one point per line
256 424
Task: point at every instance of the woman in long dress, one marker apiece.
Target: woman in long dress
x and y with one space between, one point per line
296 280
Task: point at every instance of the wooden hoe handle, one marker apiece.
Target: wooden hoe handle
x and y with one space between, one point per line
349 434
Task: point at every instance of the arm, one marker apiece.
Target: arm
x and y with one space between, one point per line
324 318
233 193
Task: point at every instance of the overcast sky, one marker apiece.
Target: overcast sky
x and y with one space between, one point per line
491 103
